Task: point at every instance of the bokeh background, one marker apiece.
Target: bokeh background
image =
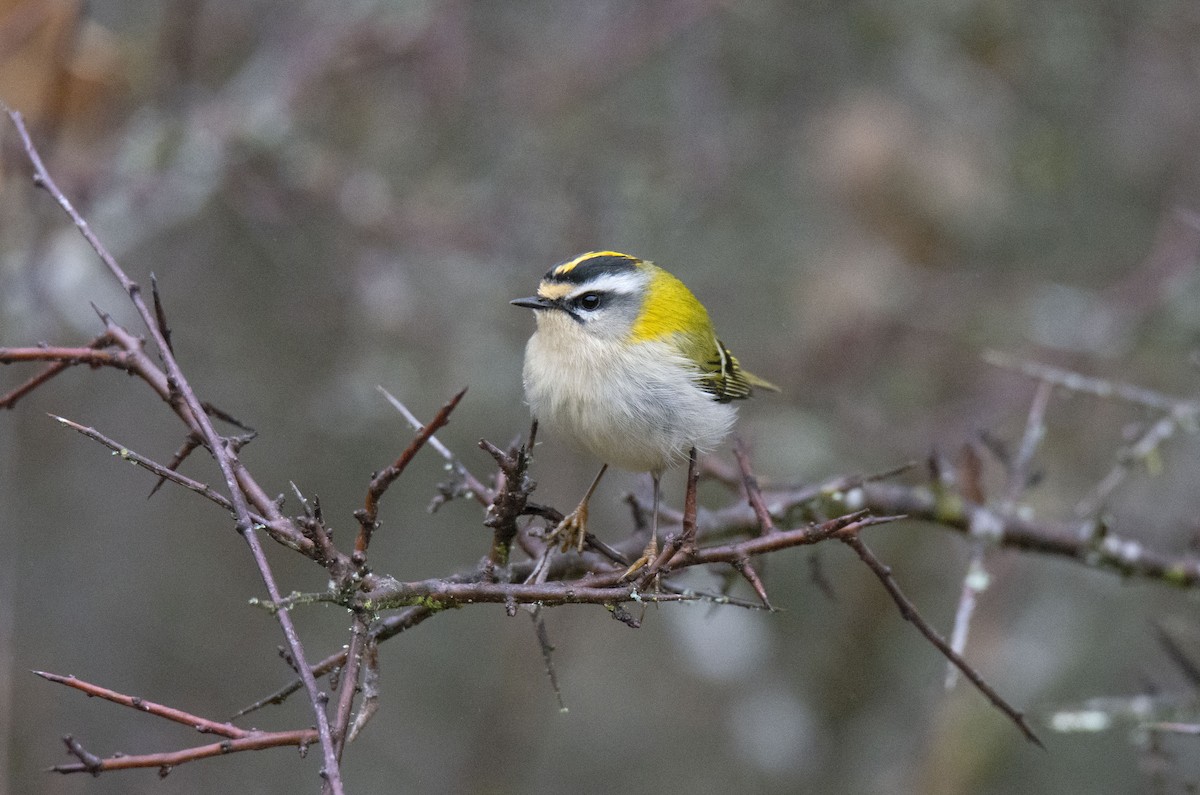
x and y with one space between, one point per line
867 195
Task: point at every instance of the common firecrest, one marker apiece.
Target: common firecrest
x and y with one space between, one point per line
625 362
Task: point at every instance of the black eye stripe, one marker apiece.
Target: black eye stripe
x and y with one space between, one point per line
592 267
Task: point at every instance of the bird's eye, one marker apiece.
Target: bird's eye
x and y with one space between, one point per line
589 301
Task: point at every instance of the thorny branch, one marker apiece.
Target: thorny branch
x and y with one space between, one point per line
236 738
368 516
884 573
767 521
185 402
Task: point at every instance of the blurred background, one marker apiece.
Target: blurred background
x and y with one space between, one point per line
867 196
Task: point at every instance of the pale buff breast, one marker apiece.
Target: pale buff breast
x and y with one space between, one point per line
634 406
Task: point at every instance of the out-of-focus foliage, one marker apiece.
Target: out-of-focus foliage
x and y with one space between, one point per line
867 195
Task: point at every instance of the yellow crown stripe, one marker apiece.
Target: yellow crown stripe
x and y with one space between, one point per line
567 267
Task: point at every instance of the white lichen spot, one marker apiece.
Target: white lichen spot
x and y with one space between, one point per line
1088 720
986 526
1124 551
978 579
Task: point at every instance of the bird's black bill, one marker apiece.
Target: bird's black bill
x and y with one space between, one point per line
533 302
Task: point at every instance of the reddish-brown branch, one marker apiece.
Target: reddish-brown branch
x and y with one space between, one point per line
348 686
746 569
236 738
368 517
9 399
256 741
281 531
61 359
510 499
688 534
178 393
1076 541
203 725
753 492
481 493
600 588
908 610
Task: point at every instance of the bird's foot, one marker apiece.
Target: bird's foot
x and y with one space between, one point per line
649 554
571 532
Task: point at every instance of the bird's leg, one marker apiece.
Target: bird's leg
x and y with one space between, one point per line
572 530
651 550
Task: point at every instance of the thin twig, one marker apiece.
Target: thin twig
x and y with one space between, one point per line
368 516
909 611
160 315
189 446
977 579
597 588
1098 387
282 531
1077 541
480 492
237 738
1186 664
1142 449
370 689
1031 439
510 499
349 682
225 459
753 491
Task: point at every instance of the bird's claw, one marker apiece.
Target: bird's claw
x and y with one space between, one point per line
649 554
571 532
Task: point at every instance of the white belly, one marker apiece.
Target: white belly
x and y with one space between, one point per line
636 407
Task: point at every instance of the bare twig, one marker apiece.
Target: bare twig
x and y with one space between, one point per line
753 492
225 458
1077 540
547 649
480 492
1098 387
95 355
1142 450
1035 432
160 315
597 588
977 579
237 738
382 630
370 689
1186 664
349 679
510 499
910 614
283 532
189 446
368 516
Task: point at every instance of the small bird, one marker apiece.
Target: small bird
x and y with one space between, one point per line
625 362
